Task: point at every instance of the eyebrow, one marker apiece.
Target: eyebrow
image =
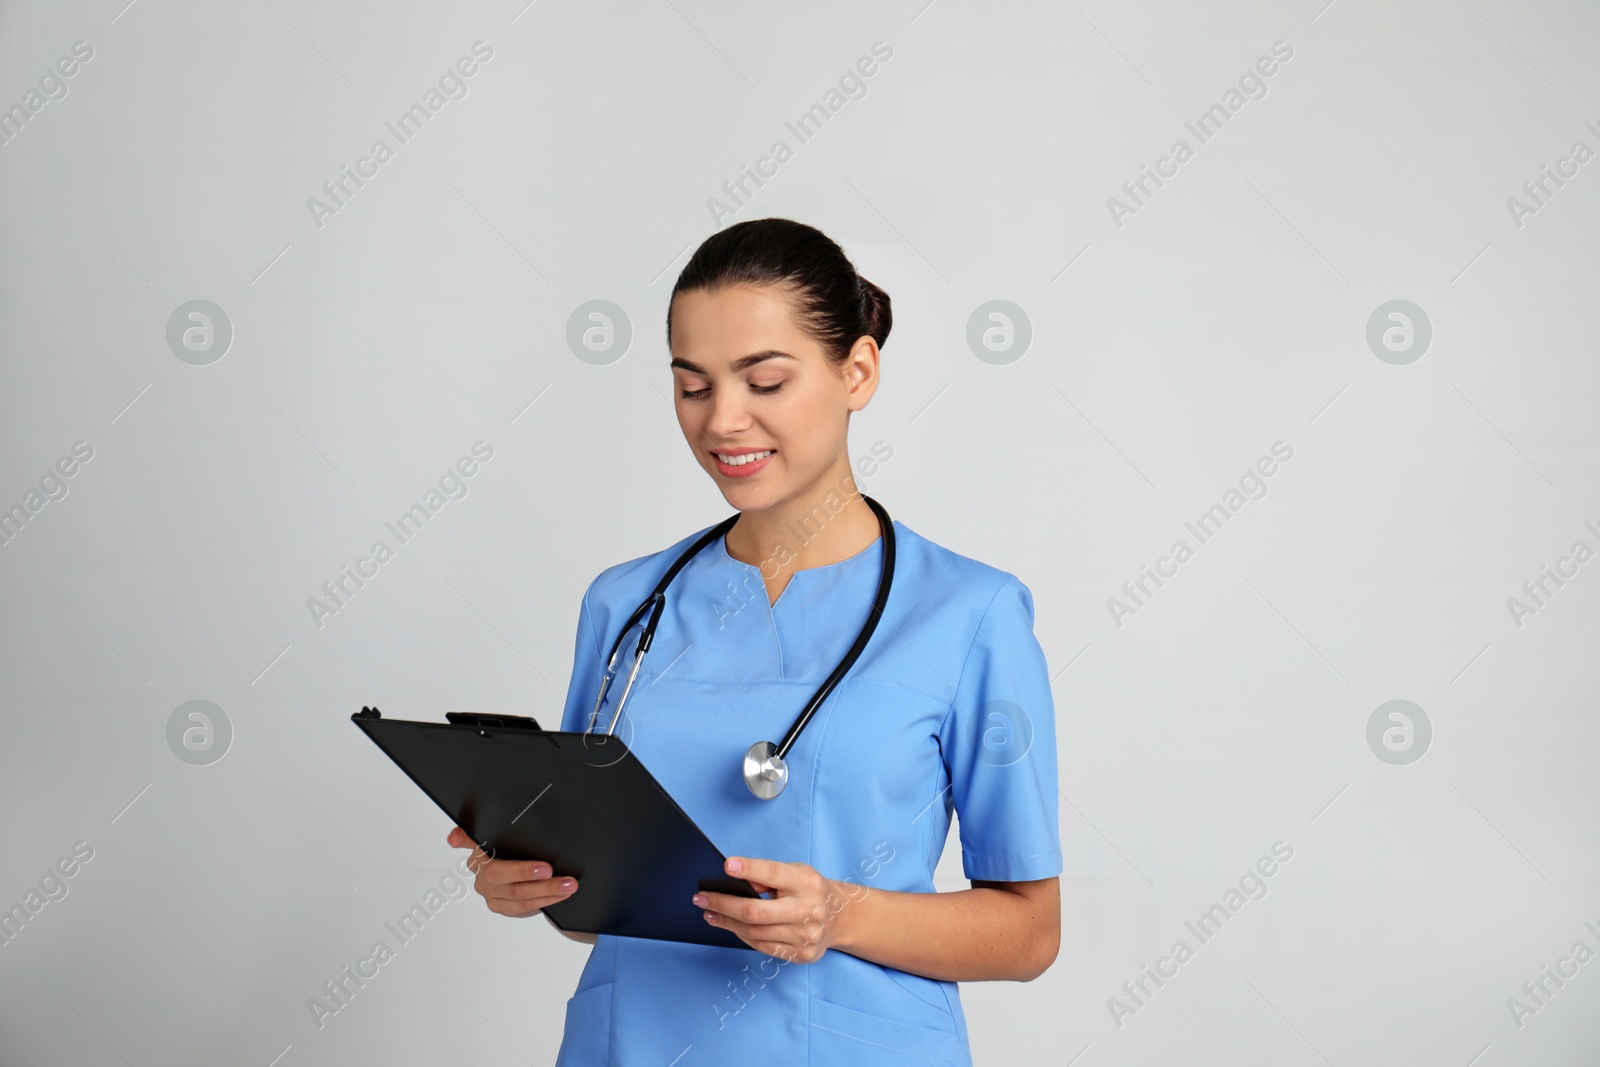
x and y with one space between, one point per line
739 364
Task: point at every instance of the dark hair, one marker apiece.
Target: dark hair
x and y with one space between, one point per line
833 304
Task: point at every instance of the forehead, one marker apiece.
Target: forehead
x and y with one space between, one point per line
727 323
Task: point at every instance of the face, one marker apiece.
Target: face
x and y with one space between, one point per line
748 381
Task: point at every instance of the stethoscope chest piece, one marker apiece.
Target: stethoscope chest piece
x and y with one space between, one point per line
765 772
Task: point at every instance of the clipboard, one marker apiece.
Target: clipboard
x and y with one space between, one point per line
582 802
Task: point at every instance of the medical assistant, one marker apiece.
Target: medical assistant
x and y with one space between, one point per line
948 708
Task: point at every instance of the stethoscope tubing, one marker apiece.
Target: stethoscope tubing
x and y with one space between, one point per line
885 578
654 604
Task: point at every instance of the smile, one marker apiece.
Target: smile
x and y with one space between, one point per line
743 464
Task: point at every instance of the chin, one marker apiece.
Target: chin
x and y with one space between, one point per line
747 497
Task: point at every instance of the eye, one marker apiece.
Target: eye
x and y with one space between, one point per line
694 394
766 390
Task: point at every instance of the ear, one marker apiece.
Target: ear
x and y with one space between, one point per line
861 372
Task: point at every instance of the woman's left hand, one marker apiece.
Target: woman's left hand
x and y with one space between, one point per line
798 925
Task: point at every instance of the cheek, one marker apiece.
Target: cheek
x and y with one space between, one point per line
804 424
815 417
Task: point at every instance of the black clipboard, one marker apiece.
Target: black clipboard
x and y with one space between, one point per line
582 802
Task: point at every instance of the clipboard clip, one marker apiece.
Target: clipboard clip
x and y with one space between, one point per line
469 718
473 718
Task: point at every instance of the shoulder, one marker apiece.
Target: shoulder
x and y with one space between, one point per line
632 580
948 607
958 582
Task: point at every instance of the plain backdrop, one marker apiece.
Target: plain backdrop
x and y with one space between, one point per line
1176 334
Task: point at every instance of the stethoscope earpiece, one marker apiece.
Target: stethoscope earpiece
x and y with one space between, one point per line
765 771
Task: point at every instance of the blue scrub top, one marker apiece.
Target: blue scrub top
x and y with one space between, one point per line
948 707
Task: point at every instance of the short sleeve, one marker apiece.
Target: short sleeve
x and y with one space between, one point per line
586 670
999 747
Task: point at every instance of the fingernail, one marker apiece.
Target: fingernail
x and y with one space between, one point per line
699 900
567 884
541 872
711 917
734 866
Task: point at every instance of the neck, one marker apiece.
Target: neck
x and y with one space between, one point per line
826 523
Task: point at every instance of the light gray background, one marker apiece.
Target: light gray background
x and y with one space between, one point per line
1167 354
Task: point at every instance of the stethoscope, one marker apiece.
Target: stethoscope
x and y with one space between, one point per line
765 771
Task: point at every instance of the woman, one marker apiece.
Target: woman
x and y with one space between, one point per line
775 340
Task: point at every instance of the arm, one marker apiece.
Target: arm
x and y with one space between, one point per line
995 930
1010 931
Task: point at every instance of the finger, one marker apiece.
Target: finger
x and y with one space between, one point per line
514 909
733 926
548 889
772 873
480 859
501 872
745 909
541 893
773 940
459 838
475 859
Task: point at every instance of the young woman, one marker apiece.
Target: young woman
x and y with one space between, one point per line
775 340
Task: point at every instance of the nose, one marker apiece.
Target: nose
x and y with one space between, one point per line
728 415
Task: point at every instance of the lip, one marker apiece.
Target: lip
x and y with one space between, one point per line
744 470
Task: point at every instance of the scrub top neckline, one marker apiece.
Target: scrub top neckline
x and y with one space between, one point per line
722 546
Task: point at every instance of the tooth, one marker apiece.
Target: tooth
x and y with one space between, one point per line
739 461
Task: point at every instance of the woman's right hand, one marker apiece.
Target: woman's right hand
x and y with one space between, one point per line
518 888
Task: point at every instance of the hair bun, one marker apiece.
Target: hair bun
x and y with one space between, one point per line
875 303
